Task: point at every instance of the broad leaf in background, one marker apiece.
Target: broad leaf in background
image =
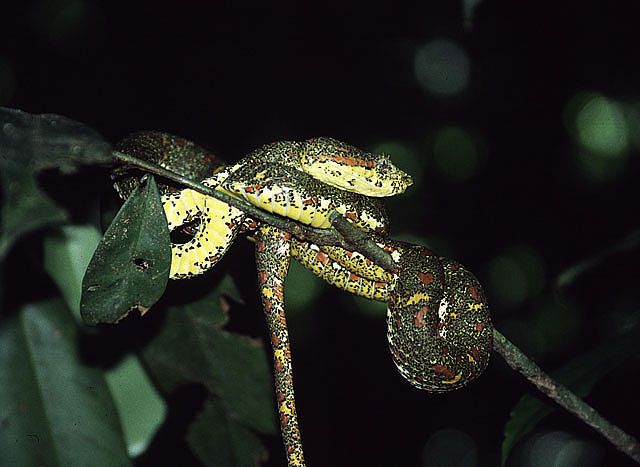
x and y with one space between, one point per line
54 410
140 407
580 376
130 267
66 255
192 347
48 141
25 207
219 440
67 252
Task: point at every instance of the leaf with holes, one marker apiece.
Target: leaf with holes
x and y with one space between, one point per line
193 347
130 267
25 208
54 409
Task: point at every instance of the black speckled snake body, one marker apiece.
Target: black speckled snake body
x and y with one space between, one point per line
439 328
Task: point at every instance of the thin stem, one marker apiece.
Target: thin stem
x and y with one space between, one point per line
564 397
359 241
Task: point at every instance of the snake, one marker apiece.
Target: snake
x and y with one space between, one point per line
439 330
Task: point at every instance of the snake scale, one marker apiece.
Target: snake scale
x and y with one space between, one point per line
438 325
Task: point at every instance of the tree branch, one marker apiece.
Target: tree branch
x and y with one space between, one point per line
344 234
353 240
564 397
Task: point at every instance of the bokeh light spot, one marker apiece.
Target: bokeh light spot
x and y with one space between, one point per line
61 19
469 8
516 275
559 449
600 126
402 156
450 448
598 168
455 154
557 324
7 82
632 116
442 67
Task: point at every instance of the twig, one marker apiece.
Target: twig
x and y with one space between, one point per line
303 232
358 241
344 234
563 397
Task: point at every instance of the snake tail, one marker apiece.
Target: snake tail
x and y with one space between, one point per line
438 324
272 259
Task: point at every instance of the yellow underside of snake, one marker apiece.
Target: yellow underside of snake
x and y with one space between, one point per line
438 325
272 180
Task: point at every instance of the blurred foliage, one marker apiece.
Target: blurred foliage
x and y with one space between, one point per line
56 409
58 406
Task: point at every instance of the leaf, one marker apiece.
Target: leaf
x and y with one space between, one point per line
140 408
48 140
25 208
66 255
54 410
218 440
192 347
130 267
30 143
580 376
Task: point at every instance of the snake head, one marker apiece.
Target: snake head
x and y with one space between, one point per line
351 169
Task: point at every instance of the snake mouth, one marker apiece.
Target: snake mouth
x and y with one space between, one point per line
186 232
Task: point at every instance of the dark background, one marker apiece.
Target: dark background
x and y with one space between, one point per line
520 122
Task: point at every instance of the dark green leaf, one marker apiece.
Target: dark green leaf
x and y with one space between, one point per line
140 408
220 441
54 411
130 267
48 141
192 347
580 376
25 208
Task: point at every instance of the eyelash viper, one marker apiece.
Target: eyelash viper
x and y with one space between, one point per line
439 329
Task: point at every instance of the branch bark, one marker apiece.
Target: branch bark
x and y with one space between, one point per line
344 234
564 397
354 239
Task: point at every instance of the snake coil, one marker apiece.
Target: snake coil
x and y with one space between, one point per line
438 324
